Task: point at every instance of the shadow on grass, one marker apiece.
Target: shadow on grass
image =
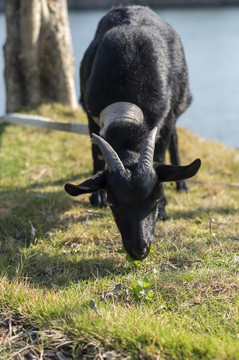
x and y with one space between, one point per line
45 211
200 211
57 269
39 208
2 129
61 270
62 181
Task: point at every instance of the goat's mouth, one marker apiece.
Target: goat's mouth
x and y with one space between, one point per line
137 253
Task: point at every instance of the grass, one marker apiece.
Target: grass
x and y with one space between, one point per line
64 276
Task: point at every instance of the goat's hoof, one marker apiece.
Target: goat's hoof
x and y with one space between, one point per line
98 199
182 186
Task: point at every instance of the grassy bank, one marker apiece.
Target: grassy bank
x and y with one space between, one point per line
63 271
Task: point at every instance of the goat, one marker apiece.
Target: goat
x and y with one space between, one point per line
134 85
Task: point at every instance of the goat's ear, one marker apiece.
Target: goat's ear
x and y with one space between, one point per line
96 182
176 173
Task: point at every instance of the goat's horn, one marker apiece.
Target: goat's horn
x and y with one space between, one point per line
111 157
120 112
147 153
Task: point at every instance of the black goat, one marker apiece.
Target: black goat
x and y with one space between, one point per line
134 85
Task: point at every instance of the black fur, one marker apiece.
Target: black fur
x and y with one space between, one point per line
138 58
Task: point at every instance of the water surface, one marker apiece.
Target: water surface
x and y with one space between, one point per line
211 42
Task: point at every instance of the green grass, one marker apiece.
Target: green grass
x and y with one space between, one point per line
60 264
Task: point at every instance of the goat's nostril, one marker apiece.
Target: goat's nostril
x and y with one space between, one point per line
139 254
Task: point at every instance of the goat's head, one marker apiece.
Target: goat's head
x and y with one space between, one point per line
133 194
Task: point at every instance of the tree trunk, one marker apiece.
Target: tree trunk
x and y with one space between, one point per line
39 62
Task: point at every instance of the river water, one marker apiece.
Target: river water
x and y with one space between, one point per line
211 42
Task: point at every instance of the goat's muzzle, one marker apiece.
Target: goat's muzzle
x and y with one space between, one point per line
138 253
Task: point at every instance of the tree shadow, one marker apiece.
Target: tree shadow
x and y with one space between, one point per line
3 126
2 129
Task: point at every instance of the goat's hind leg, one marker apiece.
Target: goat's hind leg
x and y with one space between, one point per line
175 159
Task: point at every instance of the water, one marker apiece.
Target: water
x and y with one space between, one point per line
211 42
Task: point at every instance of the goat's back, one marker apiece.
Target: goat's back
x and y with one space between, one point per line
135 57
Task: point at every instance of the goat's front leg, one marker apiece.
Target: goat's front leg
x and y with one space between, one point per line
159 157
98 198
175 159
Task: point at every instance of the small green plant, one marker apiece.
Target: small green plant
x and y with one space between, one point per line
129 259
143 290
